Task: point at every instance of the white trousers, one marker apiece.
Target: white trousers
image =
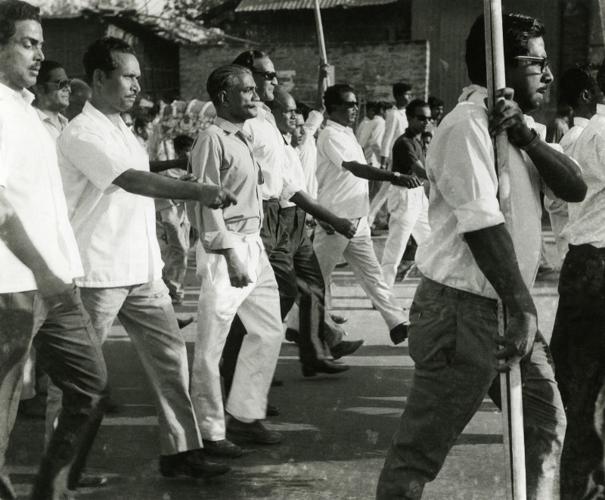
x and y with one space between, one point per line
359 253
257 305
380 198
409 209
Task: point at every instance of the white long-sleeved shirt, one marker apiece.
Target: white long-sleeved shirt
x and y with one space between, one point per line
370 134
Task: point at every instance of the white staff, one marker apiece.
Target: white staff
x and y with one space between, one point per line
510 382
323 55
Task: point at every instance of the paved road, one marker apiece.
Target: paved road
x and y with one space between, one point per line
337 428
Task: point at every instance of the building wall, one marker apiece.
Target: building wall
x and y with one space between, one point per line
384 23
370 68
66 41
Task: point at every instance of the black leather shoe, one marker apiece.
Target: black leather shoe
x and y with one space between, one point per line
88 480
190 463
323 366
345 348
222 448
272 411
184 322
254 432
399 333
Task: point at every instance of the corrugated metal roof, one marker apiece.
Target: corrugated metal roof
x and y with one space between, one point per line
257 5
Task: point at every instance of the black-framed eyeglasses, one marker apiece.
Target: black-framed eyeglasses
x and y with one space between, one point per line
543 62
267 75
423 118
61 84
350 104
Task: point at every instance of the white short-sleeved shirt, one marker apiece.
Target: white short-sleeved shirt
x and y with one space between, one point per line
269 150
587 219
463 198
294 168
338 189
115 229
30 180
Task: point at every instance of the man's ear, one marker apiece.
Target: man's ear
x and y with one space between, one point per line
98 76
222 97
586 95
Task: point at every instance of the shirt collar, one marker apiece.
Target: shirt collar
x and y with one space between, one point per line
601 109
475 94
95 114
580 121
24 94
46 117
338 126
227 126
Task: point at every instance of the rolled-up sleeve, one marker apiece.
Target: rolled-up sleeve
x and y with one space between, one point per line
94 156
206 161
467 179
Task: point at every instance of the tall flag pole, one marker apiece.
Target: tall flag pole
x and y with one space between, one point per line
510 382
323 55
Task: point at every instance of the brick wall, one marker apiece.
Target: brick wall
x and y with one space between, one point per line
370 68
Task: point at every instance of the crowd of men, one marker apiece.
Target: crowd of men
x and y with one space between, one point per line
278 196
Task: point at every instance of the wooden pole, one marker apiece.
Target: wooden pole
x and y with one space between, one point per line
510 382
323 56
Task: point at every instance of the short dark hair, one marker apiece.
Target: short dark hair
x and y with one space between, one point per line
247 58
223 78
435 102
573 82
99 55
182 143
46 67
518 29
12 11
411 108
401 88
333 95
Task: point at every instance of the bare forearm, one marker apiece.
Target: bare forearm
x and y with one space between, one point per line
560 173
161 166
157 186
309 205
368 172
494 253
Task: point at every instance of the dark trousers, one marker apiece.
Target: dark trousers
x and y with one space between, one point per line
452 341
578 349
69 353
296 270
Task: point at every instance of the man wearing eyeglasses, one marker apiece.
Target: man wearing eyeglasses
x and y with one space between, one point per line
475 255
52 91
342 176
409 207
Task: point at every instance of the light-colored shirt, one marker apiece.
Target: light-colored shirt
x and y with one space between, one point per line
464 198
222 155
115 229
269 150
572 135
307 151
395 124
369 135
339 190
587 219
53 128
295 169
31 181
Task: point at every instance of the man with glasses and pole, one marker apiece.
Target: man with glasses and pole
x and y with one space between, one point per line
409 207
